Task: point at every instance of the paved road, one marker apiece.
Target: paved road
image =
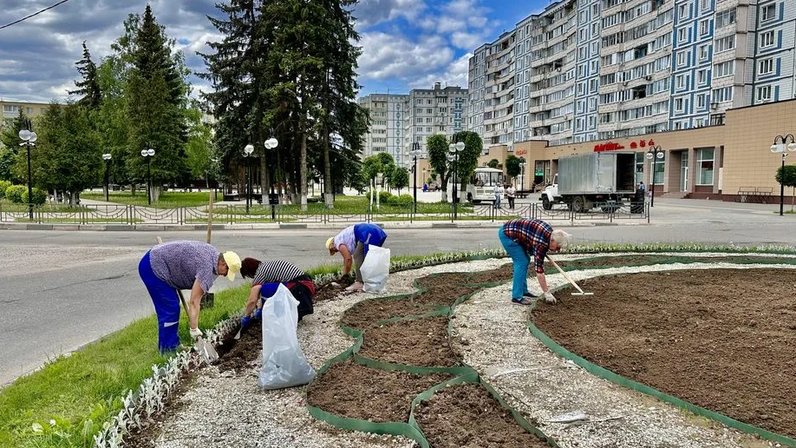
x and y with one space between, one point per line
60 290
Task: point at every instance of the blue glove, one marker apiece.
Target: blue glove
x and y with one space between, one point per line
245 321
258 314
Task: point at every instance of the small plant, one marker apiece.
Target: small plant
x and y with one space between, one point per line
39 197
385 197
14 193
404 199
4 184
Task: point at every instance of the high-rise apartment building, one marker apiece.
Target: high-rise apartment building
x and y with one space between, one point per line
397 121
386 132
600 69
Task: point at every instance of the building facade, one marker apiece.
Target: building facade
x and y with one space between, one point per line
398 121
10 110
582 70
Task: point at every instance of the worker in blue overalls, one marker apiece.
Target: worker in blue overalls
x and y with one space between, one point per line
353 243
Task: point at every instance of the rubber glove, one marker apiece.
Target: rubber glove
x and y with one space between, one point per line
258 314
245 321
196 333
549 297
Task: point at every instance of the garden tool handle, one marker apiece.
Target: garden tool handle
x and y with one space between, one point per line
566 276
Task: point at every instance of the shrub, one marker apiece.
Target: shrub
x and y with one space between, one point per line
4 184
39 197
404 199
384 197
14 193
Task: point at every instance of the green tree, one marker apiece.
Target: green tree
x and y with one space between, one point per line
199 149
786 175
9 146
437 147
494 163
513 168
157 98
400 178
88 87
468 157
68 155
111 118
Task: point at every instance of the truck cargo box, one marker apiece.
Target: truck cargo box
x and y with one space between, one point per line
597 173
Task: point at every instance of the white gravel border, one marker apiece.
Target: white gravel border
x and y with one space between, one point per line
229 410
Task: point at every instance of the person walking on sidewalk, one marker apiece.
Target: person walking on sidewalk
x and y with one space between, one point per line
498 194
177 265
266 277
511 193
353 243
523 238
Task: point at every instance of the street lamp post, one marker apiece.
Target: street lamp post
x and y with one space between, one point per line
522 173
779 147
29 139
415 152
107 158
148 154
270 144
453 156
247 153
653 154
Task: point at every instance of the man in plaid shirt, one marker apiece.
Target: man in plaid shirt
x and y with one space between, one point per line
525 237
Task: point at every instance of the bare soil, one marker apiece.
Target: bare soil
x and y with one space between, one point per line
717 338
351 390
643 260
422 342
468 416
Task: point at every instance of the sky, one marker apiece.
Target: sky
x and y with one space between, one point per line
405 44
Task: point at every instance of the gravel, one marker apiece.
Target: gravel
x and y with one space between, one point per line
231 410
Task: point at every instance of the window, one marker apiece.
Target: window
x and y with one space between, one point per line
702 101
768 12
682 58
679 104
766 66
725 44
658 167
724 18
684 11
767 39
724 69
704 4
764 93
704 166
682 34
702 76
704 27
680 82
704 52
722 94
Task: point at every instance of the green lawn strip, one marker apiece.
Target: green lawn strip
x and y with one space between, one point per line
82 391
167 199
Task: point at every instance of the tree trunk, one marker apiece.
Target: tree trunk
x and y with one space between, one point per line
327 174
303 170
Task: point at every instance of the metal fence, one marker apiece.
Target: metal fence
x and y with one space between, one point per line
237 214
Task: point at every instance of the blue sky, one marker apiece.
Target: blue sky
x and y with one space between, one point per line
406 43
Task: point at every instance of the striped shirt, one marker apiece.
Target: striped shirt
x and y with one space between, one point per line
180 263
276 271
533 235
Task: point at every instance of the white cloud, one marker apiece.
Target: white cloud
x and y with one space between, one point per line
389 56
373 12
455 74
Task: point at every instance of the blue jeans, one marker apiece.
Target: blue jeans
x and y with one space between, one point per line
167 305
520 259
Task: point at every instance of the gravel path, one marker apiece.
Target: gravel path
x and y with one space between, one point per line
229 410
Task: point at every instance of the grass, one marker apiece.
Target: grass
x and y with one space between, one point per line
79 393
167 199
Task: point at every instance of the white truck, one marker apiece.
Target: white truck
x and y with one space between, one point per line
587 180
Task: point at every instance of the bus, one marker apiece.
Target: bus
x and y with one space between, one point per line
481 186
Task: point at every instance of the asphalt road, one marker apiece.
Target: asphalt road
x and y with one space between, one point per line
60 290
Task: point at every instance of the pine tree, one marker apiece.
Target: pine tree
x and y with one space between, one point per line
88 87
9 146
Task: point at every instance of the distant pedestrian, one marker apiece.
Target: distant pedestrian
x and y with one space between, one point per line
425 187
177 265
523 238
511 193
498 194
353 243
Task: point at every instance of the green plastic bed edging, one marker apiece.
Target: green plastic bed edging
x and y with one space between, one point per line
604 373
461 374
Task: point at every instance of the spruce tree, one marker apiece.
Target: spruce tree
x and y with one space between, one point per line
88 87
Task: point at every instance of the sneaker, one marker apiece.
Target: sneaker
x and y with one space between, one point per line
530 294
522 301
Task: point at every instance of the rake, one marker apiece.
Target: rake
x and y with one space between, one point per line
204 348
572 282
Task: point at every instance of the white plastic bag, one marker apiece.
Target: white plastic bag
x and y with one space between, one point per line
375 269
284 364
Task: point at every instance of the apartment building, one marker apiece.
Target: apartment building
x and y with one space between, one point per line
583 70
11 109
386 132
398 121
